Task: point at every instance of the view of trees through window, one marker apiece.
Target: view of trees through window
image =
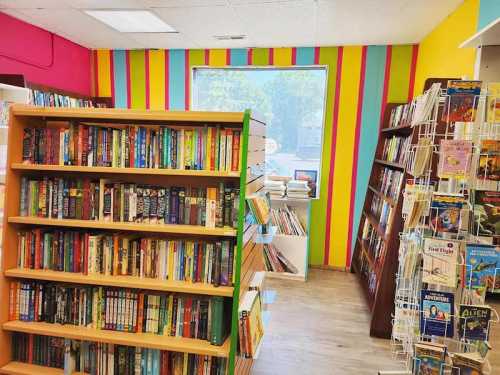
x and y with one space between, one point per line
290 100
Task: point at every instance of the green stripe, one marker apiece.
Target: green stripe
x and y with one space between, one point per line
260 56
400 74
196 57
137 79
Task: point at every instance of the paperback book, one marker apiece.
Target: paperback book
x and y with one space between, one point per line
474 322
493 102
429 359
487 214
482 267
462 100
250 328
488 170
437 317
440 262
454 158
445 213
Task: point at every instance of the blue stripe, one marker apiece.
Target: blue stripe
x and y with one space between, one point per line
489 11
370 115
120 77
239 56
305 56
176 87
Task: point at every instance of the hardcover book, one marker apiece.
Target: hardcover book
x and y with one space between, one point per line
462 100
440 262
482 266
454 158
437 313
474 321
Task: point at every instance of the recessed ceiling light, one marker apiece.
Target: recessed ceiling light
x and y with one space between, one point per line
230 37
132 21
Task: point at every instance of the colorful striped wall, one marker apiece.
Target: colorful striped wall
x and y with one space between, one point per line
361 79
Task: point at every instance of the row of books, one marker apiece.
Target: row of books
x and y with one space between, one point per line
260 207
107 200
389 182
121 254
369 274
120 309
394 149
382 212
250 327
401 115
52 99
275 261
375 244
109 359
210 148
287 221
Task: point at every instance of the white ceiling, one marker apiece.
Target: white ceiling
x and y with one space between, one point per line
266 23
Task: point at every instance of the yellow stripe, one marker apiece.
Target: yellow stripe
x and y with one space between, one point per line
103 73
282 56
348 105
217 57
157 79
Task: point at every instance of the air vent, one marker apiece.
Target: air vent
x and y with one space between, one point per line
230 37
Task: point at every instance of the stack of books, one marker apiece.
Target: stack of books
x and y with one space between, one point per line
276 189
297 189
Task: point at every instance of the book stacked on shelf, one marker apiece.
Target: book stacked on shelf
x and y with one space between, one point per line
401 115
250 327
298 189
287 221
375 244
210 148
109 359
275 261
52 99
394 149
389 182
382 212
112 201
369 275
119 254
276 189
120 309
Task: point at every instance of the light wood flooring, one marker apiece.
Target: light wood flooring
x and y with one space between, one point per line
321 327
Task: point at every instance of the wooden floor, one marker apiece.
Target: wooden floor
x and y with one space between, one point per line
321 327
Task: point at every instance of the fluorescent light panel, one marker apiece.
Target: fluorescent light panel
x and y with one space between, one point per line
132 21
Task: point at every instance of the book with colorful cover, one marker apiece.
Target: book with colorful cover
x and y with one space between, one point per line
445 213
489 167
429 359
437 311
493 102
482 266
462 100
474 321
440 262
487 214
454 158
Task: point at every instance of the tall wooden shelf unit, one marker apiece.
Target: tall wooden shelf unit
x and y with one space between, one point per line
248 257
381 302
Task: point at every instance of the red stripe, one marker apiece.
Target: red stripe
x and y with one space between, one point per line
146 64
127 68
207 56
112 75
413 69
186 80
333 146
387 76
249 56
228 57
355 156
271 56
316 55
96 74
167 74
294 56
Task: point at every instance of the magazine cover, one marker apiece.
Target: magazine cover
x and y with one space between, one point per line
474 322
482 266
440 262
437 313
487 214
454 158
489 168
445 213
462 101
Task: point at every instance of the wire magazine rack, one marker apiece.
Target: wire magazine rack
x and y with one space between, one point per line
422 162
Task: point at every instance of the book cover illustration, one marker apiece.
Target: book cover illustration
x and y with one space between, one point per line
489 168
429 359
487 214
440 262
437 313
454 158
445 213
461 101
482 266
474 321
471 363
493 102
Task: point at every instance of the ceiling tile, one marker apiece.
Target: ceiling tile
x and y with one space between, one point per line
182 3
106 4
163 40
33 4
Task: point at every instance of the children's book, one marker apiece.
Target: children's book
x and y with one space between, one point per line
467 363
482 266
489 168
429 359
445 213
493 102
440 262
437 313
487 214
474 321
454 158
462 100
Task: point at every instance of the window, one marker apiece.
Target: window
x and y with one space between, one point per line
291 101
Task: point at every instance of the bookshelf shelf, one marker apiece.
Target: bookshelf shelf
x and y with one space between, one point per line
375 224
397 129
119 226
122 281
364 248
382 196
135 171
389 164
20 368
144 340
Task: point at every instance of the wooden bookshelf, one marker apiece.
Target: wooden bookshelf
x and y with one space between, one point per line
248 254
389 164
20 368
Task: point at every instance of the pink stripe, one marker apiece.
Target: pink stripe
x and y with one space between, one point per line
96 73
271 56
332 156
112 75
228 57
355 156
249 56
127 67
388 57
294 56
146 64
207 56
186 80
412 71
167 74
316 56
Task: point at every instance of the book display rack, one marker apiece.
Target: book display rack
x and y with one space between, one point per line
128 257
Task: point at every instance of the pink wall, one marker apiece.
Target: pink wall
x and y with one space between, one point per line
43 57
